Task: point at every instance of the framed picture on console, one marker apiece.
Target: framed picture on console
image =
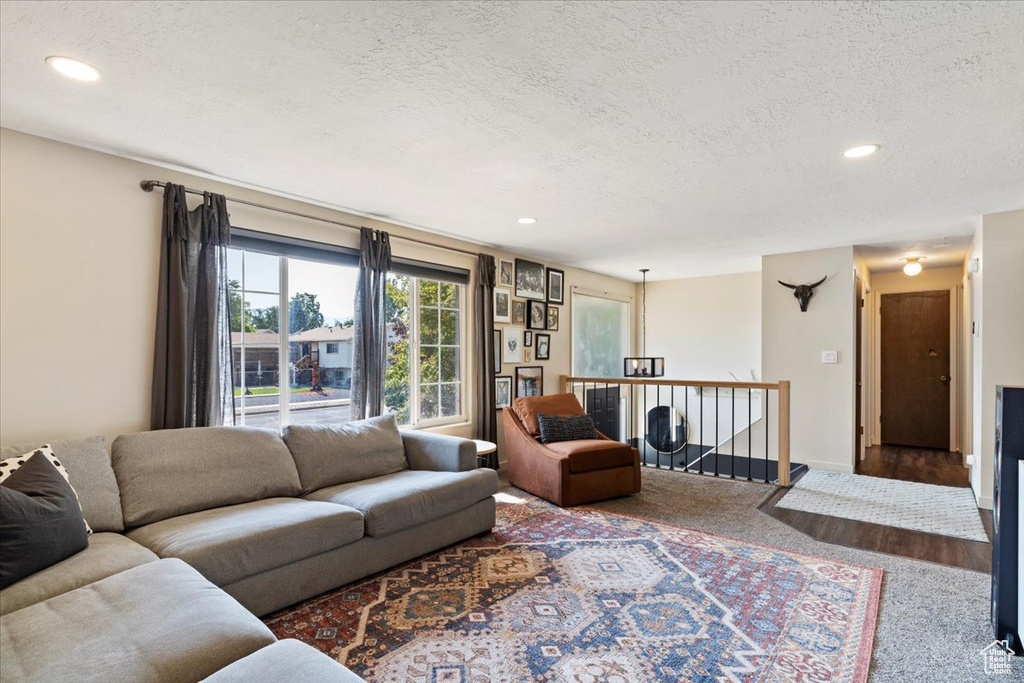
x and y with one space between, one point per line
529 381
536 315
529 279
542 347
556 286
503 391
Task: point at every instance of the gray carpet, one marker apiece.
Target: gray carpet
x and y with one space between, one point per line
933 620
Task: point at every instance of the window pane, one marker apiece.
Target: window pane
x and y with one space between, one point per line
262 272
256 373
428 364
600 336
449 364
428 325
449 327
235 268
428 401
449 295
450 400
397 380
428 292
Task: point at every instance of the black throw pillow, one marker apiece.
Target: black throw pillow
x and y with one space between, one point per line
555 428
40 520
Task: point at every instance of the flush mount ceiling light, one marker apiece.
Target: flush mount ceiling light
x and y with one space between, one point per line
912 265
72 68
861 151
527 220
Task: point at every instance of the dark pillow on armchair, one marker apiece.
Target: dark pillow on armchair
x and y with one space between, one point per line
40 520
557 428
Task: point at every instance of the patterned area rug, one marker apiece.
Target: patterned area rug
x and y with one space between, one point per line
943 510
582 595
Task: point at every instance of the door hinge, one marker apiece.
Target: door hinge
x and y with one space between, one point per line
862 429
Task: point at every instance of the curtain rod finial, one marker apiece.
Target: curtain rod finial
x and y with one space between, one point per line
148 185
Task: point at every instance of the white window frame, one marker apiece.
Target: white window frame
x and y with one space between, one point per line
415 422
336 348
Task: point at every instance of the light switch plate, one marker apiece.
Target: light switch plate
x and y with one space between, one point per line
829 356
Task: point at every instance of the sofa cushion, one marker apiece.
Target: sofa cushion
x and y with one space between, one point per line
285 660
174 472
158 622
412 497
40 520
89 472
107 554
230 543
589 455
326 455
527 408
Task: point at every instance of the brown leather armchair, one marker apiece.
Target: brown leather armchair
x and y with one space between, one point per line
567 472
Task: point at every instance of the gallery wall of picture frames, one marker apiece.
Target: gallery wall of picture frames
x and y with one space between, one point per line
527 297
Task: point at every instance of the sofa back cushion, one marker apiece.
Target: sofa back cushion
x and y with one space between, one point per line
327 455
89 473
527 408
173 472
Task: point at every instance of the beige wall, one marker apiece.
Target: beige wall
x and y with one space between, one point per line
791 345
79 247
997 310
706 327
930 279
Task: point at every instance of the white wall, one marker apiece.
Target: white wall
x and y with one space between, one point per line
997 303
822 403
79 251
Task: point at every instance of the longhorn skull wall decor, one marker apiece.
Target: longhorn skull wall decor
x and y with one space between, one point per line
803 293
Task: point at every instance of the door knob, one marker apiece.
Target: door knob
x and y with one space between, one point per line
944 379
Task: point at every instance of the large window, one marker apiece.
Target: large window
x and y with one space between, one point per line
424 381
295 367
600 335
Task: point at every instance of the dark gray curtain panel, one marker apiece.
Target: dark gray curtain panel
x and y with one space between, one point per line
192 363
483 350
369 344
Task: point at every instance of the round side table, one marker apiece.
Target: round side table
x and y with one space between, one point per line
484 449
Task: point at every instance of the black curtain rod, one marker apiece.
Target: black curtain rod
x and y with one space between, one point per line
150 185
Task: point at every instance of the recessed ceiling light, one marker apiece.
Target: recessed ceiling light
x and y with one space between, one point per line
861 151
72 68
527 220
912 266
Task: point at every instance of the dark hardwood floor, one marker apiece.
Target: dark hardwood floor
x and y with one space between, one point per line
943 468
909 464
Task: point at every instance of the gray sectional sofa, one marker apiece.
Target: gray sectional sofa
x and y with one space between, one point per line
199 531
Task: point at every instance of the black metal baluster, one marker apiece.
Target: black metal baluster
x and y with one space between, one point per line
671 424
732 430
686 427
701 390
750 436
716 432
657 451
647 426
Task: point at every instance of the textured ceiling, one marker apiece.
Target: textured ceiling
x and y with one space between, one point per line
687 138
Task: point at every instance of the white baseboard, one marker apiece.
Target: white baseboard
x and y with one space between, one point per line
985 502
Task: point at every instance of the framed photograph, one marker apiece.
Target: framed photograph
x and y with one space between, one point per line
505 273
503 391
527 339
542 350
536 315
527 355
518 312
530 381
512 345
553 318
502 305
529 279
556 286
497 351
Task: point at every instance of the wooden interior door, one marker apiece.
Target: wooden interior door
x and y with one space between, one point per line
915 369
858 313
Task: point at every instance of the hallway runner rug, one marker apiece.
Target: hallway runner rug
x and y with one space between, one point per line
943 510
581 595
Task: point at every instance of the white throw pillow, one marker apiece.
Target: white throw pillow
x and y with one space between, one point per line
11 465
